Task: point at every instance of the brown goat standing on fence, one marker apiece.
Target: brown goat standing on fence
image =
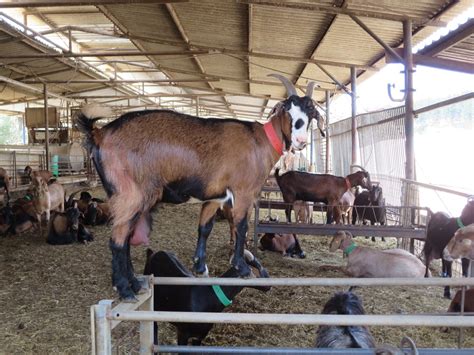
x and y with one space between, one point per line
297 185
156 156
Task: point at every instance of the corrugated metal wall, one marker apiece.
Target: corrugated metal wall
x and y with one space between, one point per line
382 149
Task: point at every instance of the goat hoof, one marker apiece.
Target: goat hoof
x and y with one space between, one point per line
201 273
130 299
302 255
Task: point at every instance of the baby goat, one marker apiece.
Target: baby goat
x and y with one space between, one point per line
148 157
192 298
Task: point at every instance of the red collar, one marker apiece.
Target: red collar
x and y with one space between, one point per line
348 183
273 138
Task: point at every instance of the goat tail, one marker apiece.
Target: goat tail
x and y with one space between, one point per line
85 120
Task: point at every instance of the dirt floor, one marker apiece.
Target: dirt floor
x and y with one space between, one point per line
46 291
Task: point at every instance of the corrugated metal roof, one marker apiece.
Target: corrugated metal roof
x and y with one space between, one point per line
246 41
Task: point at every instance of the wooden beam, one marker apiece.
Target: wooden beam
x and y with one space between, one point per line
440 63
51 3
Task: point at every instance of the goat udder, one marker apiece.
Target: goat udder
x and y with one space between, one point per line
141 233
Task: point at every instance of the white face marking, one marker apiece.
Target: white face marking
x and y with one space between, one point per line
299 136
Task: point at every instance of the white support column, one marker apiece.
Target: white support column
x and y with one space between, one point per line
101 329
146 327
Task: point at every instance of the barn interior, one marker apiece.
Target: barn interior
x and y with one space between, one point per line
213 59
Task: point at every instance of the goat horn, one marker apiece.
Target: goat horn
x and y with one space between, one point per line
290 88
358 166
309 89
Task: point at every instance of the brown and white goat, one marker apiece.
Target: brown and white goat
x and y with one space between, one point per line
46 175
462 244
156 156
303 211
47 198
286 244
5 183
455 305
368 262
347 203
297 185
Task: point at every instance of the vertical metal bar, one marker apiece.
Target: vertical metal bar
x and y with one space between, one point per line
69 40
354 135
15 175
102 337
409 119
146 327
197 105
68 138
255 224
46 119
327 132
311 150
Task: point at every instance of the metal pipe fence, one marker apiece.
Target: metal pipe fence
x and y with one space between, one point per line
104 318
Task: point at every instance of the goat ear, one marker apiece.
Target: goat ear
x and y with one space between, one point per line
149 253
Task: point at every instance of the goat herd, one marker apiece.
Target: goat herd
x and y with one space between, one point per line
147 157
45 196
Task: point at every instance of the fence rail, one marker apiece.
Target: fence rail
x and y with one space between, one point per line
104 318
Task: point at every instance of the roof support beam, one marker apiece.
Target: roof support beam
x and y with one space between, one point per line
185 37
265 104
50 3
377 38
100 54
463 32
434 62
33 89
333 78
337 11
250 42
118 81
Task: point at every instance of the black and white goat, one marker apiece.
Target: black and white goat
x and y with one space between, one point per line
344 336
192 298
148 157
370 206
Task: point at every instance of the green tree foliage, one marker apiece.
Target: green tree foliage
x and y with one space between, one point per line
10 130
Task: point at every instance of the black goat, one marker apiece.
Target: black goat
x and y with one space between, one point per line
440 230
65 228
97 213
370 206
344 336
14 220
192 298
